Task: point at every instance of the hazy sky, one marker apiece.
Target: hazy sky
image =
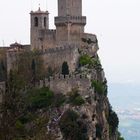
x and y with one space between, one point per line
115 22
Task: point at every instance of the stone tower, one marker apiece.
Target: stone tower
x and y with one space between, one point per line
39 22
69 22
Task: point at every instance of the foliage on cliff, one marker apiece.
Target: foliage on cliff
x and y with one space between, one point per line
31 69
25 114
113 121
100 87
75 98
72 127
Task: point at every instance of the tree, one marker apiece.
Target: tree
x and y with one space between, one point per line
65 69
13 105
30 67
19 110
33 67
2 71
2 64
113 120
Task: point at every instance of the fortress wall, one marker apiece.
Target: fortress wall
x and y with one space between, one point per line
47 39
54 57
75 32
35 42
43 39
61 84
61 34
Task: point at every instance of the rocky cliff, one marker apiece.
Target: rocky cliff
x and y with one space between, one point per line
65 106
85 112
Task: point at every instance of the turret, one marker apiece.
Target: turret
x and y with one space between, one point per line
39 21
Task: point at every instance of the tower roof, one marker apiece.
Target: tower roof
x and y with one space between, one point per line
39 11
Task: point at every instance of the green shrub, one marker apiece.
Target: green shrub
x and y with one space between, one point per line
97 64
100 87
19 125
85 59
27 118
78 101
40 98
59 100
113 121
75 98
71 128
41 121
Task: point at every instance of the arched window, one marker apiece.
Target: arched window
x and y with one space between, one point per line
44 21
36 21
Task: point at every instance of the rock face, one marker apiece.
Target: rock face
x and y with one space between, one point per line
89 83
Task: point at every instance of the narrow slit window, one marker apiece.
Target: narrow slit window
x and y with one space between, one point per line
36 21
44 21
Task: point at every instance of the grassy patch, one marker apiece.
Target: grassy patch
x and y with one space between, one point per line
75 98
100 87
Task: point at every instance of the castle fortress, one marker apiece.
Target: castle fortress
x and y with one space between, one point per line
63 44
60 44
67 43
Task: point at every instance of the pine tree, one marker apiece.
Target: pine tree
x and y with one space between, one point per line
65 69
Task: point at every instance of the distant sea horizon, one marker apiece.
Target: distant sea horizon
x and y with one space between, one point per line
125 100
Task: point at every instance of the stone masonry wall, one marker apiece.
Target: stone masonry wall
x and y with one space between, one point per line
54 57
47 39
61 84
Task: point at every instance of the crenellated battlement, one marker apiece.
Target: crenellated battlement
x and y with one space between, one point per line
64 84
66 47
70 19
68 77
61 77
46 32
